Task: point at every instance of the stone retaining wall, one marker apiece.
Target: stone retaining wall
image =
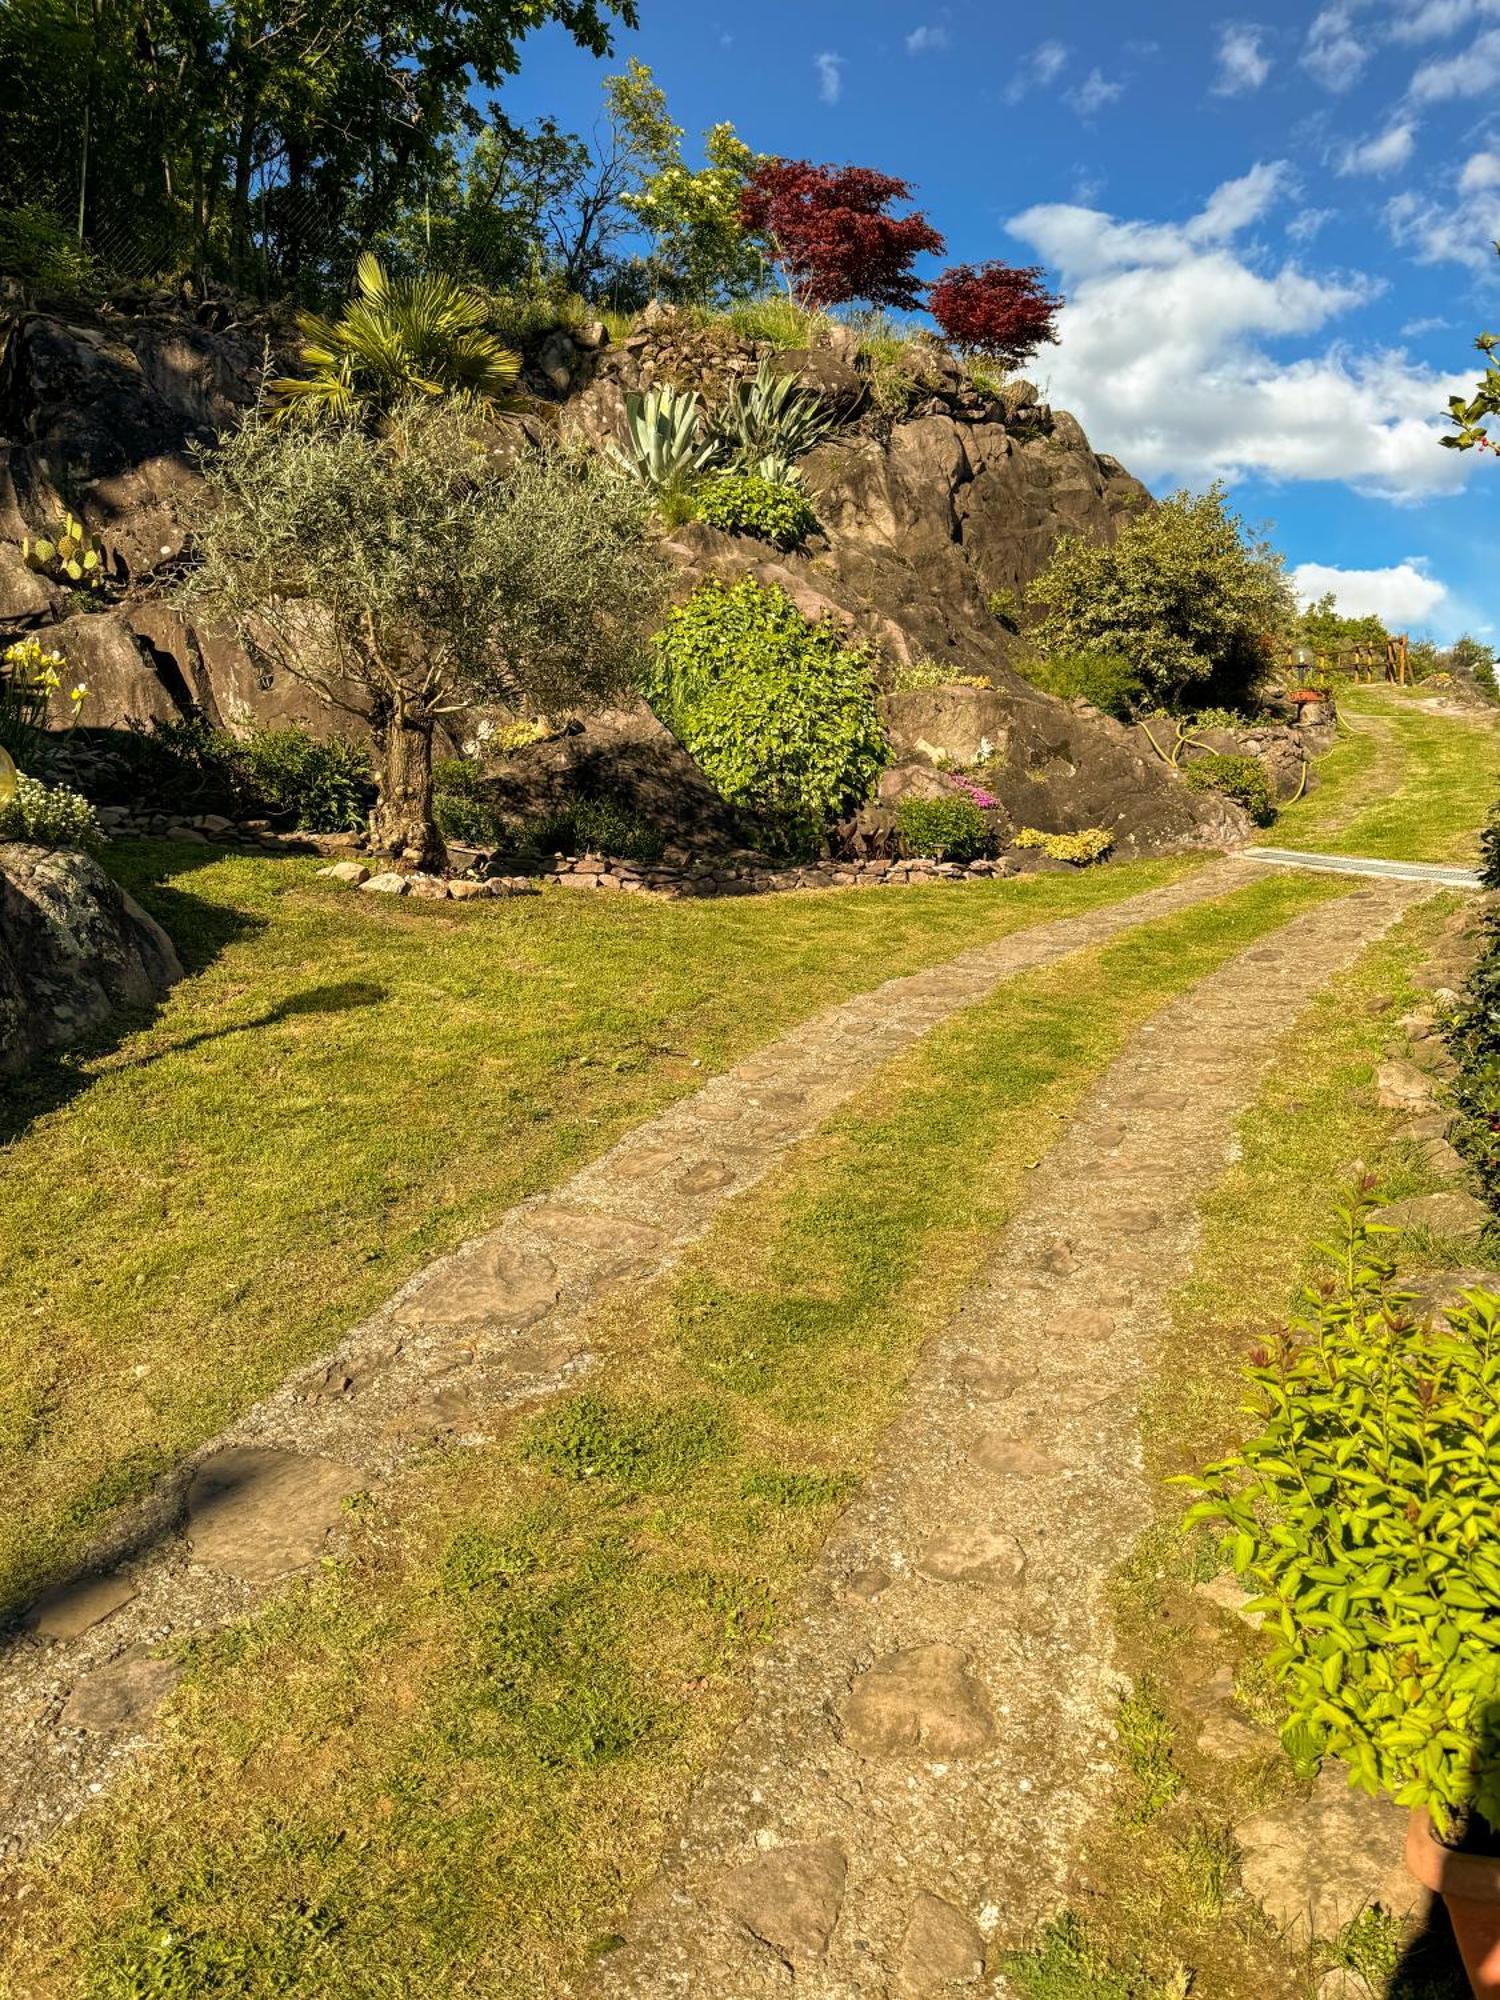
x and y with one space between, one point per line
703 878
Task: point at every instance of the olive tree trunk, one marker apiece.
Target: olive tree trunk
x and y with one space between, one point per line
402 829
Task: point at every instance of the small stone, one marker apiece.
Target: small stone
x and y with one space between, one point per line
433 887
487 1280
704 1177
1226 1593
941 1948
972 1555
257 1514
465 892
1450 1214
790 1898
388 884
1401 1086
75 1608
1012 1457
1316 1862
983 1375
920 1701
869 1583
125 1691
1137 1221
353 872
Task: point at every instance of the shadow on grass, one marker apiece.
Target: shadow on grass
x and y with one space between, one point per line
201 930
1430 1967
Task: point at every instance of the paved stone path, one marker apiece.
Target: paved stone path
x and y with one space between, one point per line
1441 874
499 1322
924 1747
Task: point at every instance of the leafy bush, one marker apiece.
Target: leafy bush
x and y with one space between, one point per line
1242 779
595 826
780 713
1106 679
185 765
1090 843
42 252
742 503
1184 594
326 785
1473 1037
48 816
1365 1514
951 829
928 673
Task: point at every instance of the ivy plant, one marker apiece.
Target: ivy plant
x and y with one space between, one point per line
1364 1513
779 712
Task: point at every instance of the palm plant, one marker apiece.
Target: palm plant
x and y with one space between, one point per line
397 338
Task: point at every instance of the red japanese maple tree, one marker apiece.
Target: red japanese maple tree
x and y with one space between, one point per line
831 231
1002 310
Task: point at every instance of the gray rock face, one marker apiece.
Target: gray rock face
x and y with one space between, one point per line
74 951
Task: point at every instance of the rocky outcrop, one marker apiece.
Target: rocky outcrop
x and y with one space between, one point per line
75 951
1053 766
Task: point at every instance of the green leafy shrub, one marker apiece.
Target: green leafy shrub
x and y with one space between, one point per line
184 765
742 503
1364 1513
463 806
779 712
1090 843
1473 1037
1184 593
1242 779
1106 679
1005 607
950 829
594 826
326 785
48 816
43 252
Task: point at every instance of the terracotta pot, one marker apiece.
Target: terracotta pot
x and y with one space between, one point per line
1469 1885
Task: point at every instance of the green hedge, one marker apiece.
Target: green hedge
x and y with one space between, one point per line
779 713
1105 679
742 503
944 829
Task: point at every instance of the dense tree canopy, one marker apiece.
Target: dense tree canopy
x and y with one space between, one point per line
1001 310
832 232
266 137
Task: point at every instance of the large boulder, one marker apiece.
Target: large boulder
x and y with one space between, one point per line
1055 766
75 951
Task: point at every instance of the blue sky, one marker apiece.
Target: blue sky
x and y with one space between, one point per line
1274 229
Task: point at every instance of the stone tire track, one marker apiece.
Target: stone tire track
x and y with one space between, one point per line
925 1747
500 1322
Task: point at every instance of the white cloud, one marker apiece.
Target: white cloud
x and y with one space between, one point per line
1463 233
1474 73
1400 597
1243 64
1167 353
1307 223
1414 329
830 74
1386 153
1042 67
1480 170
1335 55
1094 93
1430 22
927 40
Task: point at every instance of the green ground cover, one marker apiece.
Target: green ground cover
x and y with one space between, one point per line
1407 783
441 1766
344 1088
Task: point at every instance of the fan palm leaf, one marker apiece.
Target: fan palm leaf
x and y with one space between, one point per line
399 337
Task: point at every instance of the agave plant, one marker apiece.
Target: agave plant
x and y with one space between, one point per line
399 337
770 422
665 447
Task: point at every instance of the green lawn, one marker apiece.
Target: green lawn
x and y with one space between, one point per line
1406 784
345 1087
441 1767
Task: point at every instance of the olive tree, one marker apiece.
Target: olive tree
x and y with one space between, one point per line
1185 594
405 576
